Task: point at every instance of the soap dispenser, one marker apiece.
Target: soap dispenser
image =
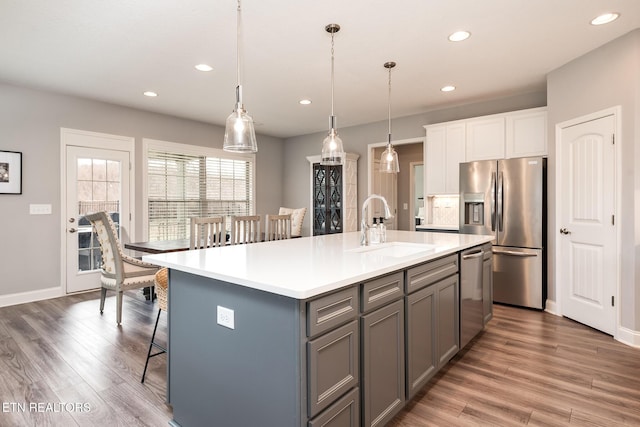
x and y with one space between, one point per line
382 230
374 232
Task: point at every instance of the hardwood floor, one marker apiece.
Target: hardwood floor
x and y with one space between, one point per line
527 367
532 368
62 352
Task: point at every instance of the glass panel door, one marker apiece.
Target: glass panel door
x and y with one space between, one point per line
95 182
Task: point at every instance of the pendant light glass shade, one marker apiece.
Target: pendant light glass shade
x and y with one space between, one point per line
389 159
332 149
239 132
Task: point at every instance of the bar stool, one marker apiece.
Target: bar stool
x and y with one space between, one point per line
162 287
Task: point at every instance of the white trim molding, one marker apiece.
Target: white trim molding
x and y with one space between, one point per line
551 307
371 148
31 296
628 336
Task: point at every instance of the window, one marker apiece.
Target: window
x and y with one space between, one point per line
187 181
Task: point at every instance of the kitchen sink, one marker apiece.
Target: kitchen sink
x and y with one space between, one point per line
393 249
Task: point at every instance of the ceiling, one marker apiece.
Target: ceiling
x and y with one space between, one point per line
115 50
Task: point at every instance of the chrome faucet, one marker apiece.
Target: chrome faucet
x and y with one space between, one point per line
364 236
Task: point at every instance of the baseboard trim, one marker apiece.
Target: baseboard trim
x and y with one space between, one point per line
31 296
551 307
628 336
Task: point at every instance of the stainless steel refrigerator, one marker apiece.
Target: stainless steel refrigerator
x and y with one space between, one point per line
507 199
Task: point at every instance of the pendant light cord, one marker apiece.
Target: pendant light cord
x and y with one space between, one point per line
389 105
238 53
332 72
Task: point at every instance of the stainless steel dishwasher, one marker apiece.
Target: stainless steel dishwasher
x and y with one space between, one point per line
471 306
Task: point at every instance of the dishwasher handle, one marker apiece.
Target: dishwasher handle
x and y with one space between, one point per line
474 254
514 253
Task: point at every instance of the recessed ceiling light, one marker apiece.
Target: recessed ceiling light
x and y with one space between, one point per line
605 18
458 36
150 94
304 102
203 67
448 88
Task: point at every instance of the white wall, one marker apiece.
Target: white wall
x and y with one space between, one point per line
30 122
603 78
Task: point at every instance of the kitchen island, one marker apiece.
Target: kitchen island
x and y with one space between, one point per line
311 331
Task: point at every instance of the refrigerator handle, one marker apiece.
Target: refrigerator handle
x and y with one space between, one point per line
493 201
500 202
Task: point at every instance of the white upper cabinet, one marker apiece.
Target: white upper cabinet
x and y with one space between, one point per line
527 133
434 155
520 133
444 151
485 138
500 136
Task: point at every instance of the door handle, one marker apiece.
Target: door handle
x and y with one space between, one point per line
564 231
471 255
72 230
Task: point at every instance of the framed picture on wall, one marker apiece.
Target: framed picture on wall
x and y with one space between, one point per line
10 172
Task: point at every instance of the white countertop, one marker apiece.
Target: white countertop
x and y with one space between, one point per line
309 266
437 227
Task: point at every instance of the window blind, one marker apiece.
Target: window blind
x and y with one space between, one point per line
181 186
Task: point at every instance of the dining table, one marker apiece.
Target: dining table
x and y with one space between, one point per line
164 246
159 246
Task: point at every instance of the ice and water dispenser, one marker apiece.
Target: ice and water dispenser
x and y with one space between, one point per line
473 209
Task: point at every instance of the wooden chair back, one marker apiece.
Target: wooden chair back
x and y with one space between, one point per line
245 229
278 227
207 232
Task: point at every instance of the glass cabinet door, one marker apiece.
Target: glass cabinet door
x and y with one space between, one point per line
327 199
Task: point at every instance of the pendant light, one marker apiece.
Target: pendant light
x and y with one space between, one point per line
239 133
389 160
332 150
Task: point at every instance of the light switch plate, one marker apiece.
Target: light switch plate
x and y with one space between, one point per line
226 317
42 209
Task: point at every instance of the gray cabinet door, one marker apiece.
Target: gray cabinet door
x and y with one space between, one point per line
487 284
344 413
448 325
383 374
333 366
421 344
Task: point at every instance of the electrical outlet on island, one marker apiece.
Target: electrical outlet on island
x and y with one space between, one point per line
226 317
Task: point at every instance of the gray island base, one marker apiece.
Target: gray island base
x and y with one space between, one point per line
351 354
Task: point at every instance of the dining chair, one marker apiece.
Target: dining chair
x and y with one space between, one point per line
245 229
278 227
120 272
297 217
161 280
207 232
